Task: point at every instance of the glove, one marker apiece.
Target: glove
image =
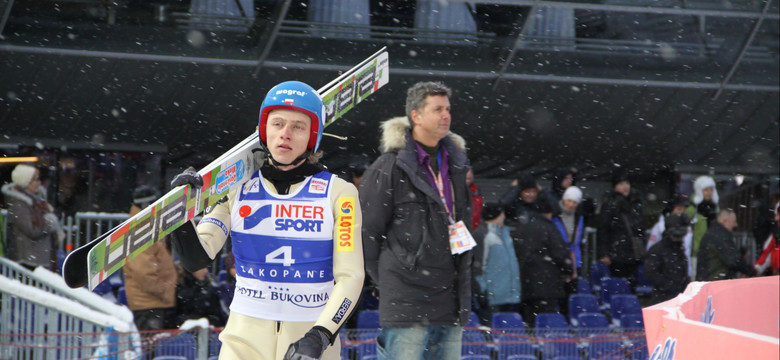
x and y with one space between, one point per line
189 177
309 347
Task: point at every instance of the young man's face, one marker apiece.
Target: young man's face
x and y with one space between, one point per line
432 123
287 134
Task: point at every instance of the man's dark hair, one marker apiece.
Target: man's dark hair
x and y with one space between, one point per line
416 95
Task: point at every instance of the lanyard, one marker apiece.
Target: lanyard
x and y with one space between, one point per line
440 185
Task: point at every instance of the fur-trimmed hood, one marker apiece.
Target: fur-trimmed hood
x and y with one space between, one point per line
394 135
10 190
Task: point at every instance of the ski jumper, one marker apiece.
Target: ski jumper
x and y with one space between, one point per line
298 258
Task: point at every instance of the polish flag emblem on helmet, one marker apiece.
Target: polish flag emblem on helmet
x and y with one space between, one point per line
289 101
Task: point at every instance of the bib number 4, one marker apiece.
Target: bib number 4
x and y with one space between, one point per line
282 255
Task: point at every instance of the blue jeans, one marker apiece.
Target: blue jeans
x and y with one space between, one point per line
419 342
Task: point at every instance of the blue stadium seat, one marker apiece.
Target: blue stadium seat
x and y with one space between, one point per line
477 342
584 286
611 287
221 276
505 320
632 321
551 321
368 319
607 350
581 303
170 357
473 320
520 357
598 270
121 296
592 320
475 357
643 287
514 345
183 344
623 304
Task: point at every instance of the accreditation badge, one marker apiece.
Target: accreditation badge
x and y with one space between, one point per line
460 238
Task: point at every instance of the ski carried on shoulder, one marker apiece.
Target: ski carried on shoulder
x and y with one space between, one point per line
95 261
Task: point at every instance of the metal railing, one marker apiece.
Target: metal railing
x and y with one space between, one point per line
42 319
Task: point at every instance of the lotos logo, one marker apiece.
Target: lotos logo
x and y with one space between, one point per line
345 224
296 217
665 352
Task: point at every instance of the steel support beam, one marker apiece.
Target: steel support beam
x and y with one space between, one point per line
285 6
6 13
399 71
629 8
742 52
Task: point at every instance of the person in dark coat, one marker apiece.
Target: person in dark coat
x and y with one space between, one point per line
197 298
666 266
409 196
519 199
545 263
719 257
620 220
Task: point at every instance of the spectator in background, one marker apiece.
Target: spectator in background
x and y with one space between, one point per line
357 166
719 257
765 224
703 209
499 273
226 286
675 206
476 199
768 263
150 277
409 199
196 297
545 263
666 265
571 224
34 233
621 229
519 199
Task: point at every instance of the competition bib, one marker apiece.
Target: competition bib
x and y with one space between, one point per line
283 246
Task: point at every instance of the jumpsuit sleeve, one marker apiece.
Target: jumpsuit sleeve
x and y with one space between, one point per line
348 268
214 228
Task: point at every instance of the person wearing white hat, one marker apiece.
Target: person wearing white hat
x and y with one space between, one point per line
571 224
703 210
33 229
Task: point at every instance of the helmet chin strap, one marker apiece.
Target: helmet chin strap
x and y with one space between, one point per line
297 160
276 163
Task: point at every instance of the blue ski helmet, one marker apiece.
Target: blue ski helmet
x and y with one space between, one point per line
295 95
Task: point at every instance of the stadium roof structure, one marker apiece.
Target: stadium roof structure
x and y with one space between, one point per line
685 85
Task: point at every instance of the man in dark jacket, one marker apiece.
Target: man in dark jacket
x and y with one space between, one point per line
719 257
409 196
666 266
620 240
544 263
519 200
